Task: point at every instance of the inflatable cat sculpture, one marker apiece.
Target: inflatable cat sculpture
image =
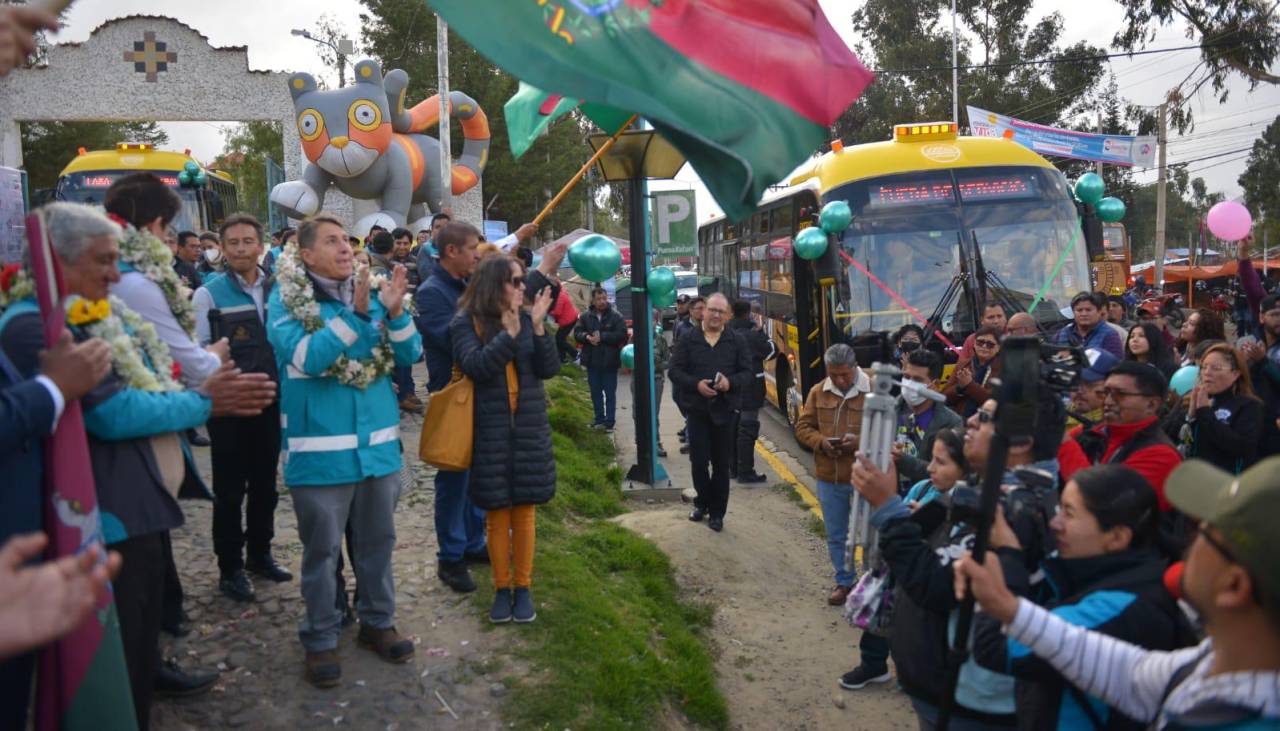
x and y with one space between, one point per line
363 140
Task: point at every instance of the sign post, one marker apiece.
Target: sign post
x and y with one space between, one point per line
675 224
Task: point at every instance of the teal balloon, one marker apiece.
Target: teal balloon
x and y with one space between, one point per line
1089 188
594 258
184 178
836 217
199 179
811 243
1184 379
663 299
660 280
1110 209
629 356
191 167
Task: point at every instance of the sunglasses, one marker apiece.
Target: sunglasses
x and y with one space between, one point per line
985 343
985 417
516 281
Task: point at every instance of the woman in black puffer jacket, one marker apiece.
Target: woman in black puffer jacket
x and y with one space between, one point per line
508 354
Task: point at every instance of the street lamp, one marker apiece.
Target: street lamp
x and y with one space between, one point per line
344 48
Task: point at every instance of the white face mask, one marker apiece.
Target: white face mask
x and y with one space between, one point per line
912 394
212 255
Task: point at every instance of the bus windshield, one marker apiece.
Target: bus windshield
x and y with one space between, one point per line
916 234
686 281
90 187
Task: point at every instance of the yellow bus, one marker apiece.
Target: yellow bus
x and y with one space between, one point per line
86 178
941 223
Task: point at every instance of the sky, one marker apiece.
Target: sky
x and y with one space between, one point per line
264 29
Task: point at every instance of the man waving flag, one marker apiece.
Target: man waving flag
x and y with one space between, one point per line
745 89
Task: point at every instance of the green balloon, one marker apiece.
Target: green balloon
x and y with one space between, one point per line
594 258
835 217
1110 209
1089 188
661 280
629 356
811 243
184 178
200 179
191 167
663 299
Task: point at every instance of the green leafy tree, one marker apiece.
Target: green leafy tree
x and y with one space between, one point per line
47 147
248 147
402 34
1261 181
1237 37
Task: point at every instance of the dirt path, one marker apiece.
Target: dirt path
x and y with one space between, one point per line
781 648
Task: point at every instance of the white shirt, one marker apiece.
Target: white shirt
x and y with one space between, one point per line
507 243
145 298
203 302
59 403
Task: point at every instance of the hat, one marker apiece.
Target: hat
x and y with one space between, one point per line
1244 507
682 299
1151 308
1100 364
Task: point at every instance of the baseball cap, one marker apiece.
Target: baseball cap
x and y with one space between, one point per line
1100 364
681 299
1150 308
1244 507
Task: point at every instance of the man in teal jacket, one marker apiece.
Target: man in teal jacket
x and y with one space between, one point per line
337 335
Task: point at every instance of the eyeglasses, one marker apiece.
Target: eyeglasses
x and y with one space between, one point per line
1216 368
516 281
984 416
1116 394
714 311
985 343
1218 545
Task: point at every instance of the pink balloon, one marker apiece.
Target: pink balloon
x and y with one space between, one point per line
1230 221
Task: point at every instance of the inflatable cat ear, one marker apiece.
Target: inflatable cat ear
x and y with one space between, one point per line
369 72
300 84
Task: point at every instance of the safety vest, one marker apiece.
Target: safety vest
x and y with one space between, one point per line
235 317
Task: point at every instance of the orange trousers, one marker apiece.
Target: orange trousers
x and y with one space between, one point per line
510 533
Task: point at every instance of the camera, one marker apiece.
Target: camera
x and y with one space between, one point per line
1029 503
1061 366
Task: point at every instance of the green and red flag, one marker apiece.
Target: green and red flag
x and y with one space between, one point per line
531 110
746 89
83 682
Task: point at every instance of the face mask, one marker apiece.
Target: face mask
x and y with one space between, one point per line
212 255
908 346
911 393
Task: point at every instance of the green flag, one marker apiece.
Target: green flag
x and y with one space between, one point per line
530 111
746 90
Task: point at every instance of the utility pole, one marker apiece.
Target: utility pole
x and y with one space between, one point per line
955 69
1100 129
591 208
1162 180
446 150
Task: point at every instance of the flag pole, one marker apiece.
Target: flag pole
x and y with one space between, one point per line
577 177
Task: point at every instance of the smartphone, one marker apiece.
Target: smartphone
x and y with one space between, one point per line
834 441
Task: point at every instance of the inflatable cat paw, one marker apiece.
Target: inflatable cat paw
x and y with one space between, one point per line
363 140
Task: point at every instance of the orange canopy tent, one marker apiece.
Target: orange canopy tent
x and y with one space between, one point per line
1181 272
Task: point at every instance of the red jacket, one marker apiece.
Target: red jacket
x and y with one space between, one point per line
1154 462
563 311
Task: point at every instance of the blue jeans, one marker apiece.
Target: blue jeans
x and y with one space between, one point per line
403 378
834 499
459 524
603 383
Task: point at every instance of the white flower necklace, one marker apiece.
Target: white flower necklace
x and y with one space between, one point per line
133 343
152 258
299 298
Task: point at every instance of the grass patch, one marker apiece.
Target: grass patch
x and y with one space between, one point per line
788 491
817 527
613 642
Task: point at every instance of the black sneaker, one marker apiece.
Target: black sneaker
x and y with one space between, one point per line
860 677
716 524
455 576
172 682
697 515
266 567
196 439
751 478
236 586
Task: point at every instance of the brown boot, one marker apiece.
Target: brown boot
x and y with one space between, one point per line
388 643
324 670
839 595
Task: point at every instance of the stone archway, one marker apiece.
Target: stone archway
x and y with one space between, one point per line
147 67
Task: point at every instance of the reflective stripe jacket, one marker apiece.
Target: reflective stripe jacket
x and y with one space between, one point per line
336 434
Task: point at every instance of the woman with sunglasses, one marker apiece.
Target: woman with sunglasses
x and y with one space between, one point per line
1223 418
969 386
508 353
1107 575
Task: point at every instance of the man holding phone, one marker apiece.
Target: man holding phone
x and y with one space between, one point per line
710 370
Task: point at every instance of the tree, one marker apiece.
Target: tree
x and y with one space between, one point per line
402 34
1236 38
327 28
47 147
1261 179
911 44
248 147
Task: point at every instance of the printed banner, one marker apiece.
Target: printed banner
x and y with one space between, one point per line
1124 150
675 227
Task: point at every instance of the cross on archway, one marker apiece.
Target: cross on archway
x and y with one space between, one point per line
150 56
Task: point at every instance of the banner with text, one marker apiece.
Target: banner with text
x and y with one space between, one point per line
675 223
1124 150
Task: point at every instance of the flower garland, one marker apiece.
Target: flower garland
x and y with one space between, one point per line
149 256
16 284
298 295
121 327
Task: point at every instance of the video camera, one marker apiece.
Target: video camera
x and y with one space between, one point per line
1061 366
1029 502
